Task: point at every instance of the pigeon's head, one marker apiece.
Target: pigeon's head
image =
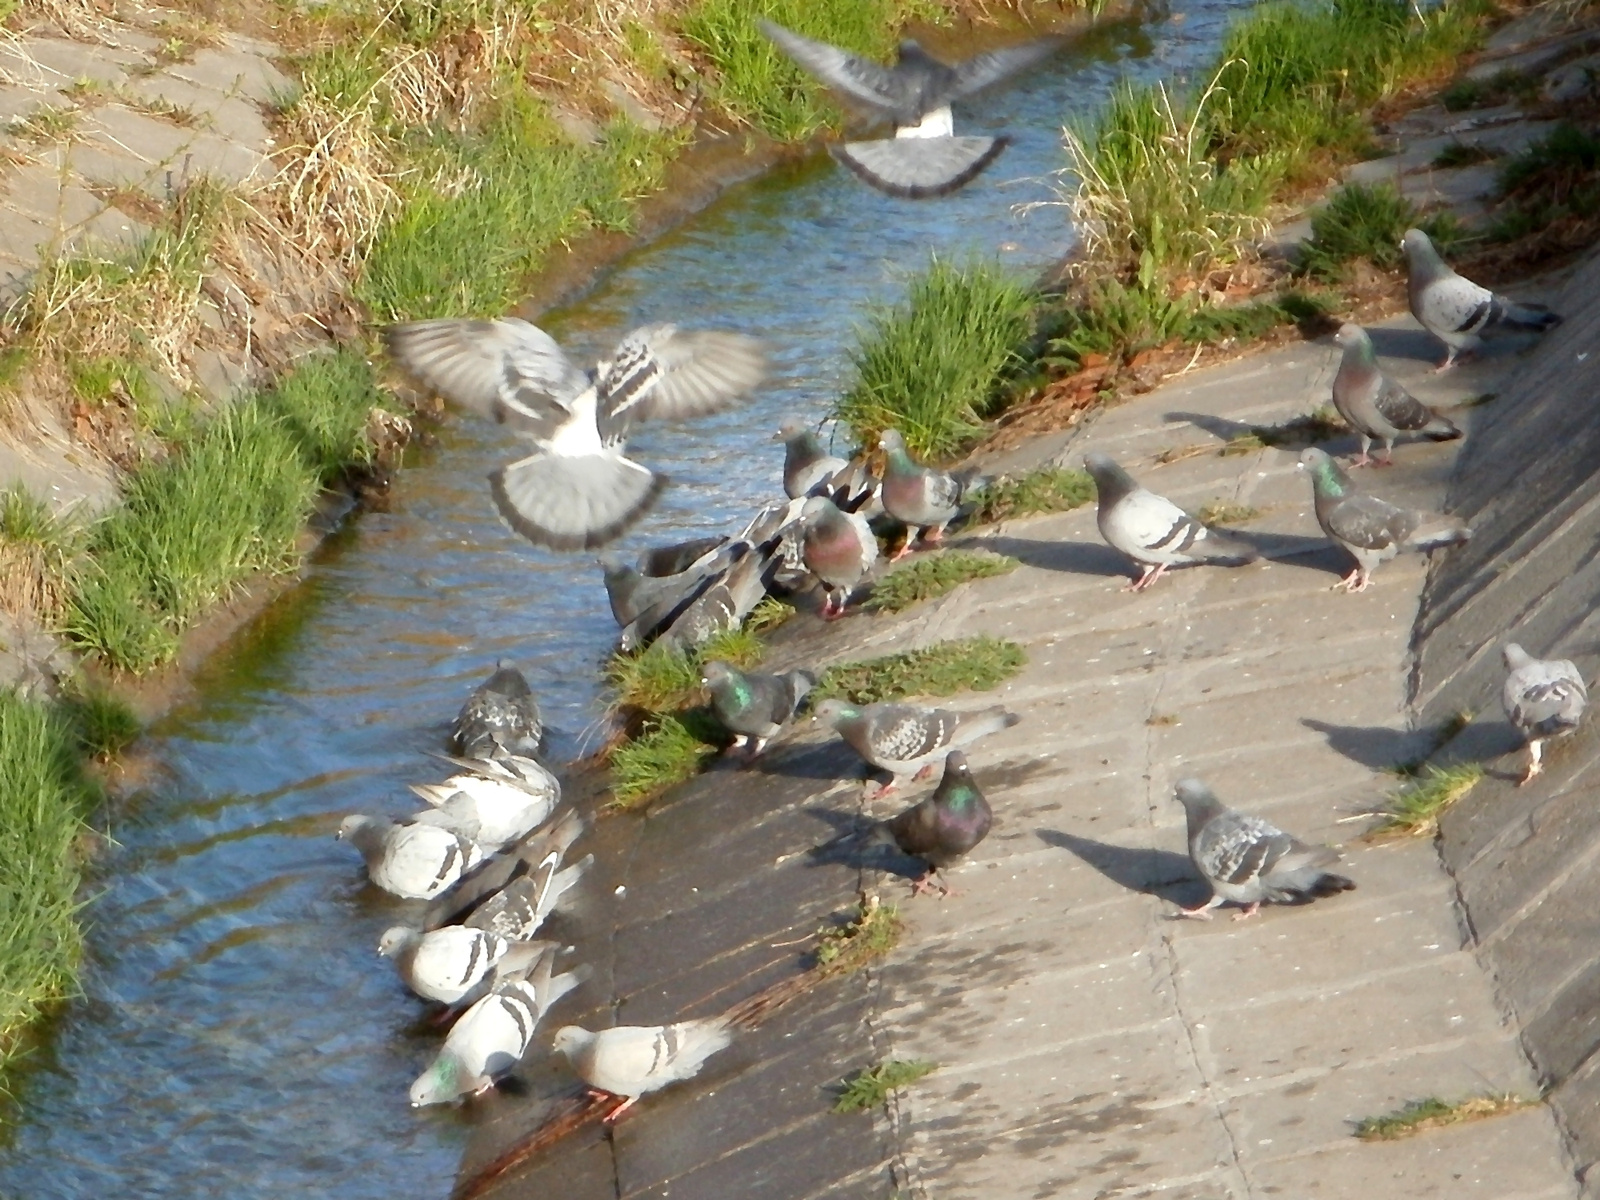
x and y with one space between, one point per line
790 429
891 441
1415 243
508 681
955 765
440 1083
1192 792
571 1039
1350 334
1316 461
714 673
352 826
395 939
1515 657
832 711
816 508
1109 478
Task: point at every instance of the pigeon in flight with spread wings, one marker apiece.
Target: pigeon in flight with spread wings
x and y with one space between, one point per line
578 489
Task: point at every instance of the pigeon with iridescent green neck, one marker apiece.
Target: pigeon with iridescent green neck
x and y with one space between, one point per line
1374 405
904 739
1373 530
945 826
1456 310
752 705
1544 698
924 499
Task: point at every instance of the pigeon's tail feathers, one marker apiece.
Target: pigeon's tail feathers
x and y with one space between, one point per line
560 985
574 502
916 168
1526 316
1218 546
1438 529
982 724
696 1041
1441 429
1329 884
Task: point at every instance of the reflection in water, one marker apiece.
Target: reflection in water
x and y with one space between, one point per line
238 1035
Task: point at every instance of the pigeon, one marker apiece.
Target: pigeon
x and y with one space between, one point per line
501 713
838 548
416 862
924 158
1456 310
751 705
722 606
537 858
904 739
630 1060
633 593
518 910
662 561
1373 530
805 463
1248 861
577 490
454 963
1544 697
946 825
493 1035
925 500
1374 405
492 812
1152 530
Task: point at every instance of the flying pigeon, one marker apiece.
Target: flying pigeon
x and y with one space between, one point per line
537 858
805 463
493 812
924 158
1456 310
1544 697
946 825
493 1035
577 489
1373 530
1249 861
751 705
904 739
839 549
416 862
629 1061
501 713
454 963
1152 530
924 499
1375 406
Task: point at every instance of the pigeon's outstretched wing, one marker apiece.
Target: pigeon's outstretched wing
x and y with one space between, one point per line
663 373
870 85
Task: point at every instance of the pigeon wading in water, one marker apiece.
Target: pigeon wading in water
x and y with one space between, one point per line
577 489
904 739
1152 530
415 862
922 498
1456 310
628 1061
1249 861
454 963
500 714
924 158
752 705
1373 530
838 548
1544 698
945 826
1374 405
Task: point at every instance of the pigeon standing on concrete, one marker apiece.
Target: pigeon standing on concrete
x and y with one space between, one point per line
1249 861
415 862
1373 530
753 705
1544 698
805 463
1152 530
1374 405
501 713
924 158
1456 310
904 739
839 549
577 489
945 826
922 498
629 1061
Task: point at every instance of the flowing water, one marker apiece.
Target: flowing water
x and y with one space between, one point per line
237 1035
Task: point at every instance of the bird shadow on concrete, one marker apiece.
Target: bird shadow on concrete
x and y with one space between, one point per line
859 843
800 760
1077 558
1221 428
1376 747
1416 344
1164 874
1318 553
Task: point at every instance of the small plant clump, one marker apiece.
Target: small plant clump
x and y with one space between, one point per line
1462 154
1419 1116
1414 810
871 931
670 749
970 664
1367 221
933 575
662 678
1221 512
1044 490
870 1086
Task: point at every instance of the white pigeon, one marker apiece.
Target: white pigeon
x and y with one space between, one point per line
1456 310
577 489
493 812
416 862
452 964
1544 698
631 1060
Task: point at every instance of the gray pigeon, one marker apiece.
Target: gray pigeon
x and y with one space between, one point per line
1544 697
675 595
1249 861
924 499
538 857
839 549
493 811
904 739
752 705
661 561
452 964
1375 406
1373 530
805 463
923 158
633 593
416 862
1456 310
577 489
493 1035
946 825
631 1060
519 909
1152 530
722 606
501 713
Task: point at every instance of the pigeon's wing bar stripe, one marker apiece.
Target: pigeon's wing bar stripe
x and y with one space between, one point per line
660 372
864 81
1154 522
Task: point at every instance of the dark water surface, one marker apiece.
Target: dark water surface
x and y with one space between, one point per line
238 1035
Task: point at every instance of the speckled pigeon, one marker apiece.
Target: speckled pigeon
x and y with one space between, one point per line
904 739
1456 310
1373 530
577 489
923 158
1374 405
629 1061
946 825
805 463
924 499
416 862
1544 698
1152 530
454 963
1249 861
501 713
537 857
753 705
838 548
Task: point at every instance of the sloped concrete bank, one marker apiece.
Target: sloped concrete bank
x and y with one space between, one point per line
1524 858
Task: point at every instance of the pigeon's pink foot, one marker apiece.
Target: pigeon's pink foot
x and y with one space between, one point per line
1247 911
1356 581
925 773
1202 913
611 1117
929 885
1151 574
904 550
933 536
1362 461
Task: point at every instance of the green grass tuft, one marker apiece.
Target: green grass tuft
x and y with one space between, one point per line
104 723
1418 1116
325 403
870 1086
975 664
1415 808
1462 154
1045 490
1221 512
933 575
663 679
869 933
1367 221
670 750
